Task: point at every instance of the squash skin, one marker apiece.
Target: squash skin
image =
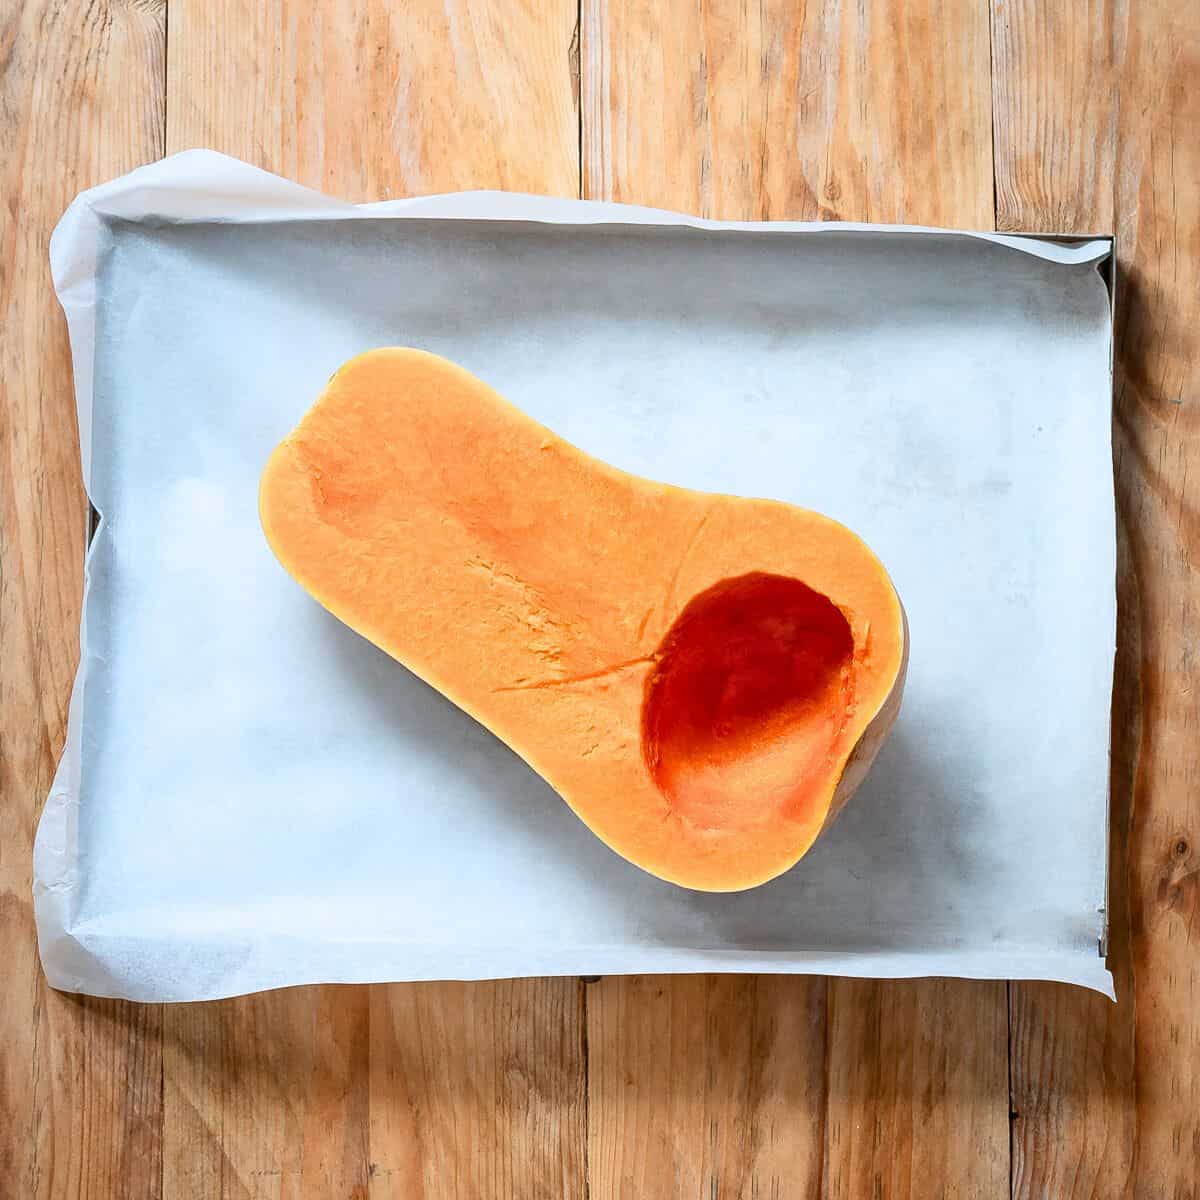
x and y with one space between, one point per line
551 596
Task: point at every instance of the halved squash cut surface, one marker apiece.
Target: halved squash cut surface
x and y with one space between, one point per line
703 678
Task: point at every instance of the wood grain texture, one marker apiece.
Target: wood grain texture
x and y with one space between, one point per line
81 99
814 110
706 1086
265 1097
477 1090
918 1090
1157 446
1054 93
405 1091
412 1090
1105 116
375 100
790 109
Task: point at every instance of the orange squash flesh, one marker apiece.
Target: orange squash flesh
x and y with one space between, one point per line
704 679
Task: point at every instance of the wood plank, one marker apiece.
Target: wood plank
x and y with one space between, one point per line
266 1097
706 1086
1054 92
81 99
1109 1098
783 110
373 100
464 1090
1073 1125
918 1090
477 1090
815 110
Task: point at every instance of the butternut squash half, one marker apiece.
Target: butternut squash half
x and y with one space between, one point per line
704 679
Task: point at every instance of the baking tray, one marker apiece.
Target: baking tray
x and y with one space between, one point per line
251 796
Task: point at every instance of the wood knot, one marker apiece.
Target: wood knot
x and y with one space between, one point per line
1179 881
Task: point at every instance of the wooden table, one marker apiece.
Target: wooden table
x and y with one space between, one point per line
1034 115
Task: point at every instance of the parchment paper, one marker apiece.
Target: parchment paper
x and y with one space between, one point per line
252 796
